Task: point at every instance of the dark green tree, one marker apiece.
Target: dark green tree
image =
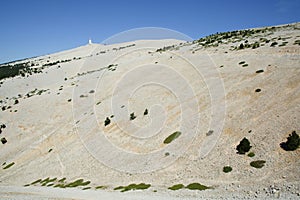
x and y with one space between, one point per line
107 121
244 146
292 143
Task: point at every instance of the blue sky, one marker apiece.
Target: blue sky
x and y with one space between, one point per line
37 27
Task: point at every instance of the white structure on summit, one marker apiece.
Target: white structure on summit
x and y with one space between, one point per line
90 41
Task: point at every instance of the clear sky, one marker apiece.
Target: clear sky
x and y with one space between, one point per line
37 27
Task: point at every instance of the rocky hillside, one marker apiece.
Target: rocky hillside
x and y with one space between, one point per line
158 116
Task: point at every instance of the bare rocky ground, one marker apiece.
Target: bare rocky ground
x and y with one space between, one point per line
54 112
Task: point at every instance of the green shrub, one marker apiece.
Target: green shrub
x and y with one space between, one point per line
251 154
292 143
132 116
176 187
197 186
227 169
172 137
273 44
258 163
146 112
141 186
244 146
107 121
9 165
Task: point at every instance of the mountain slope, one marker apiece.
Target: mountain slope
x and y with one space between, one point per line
214 91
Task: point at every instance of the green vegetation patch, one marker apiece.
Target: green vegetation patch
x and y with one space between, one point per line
227 169
197 186
35 182
172 137
141 186
251 154
244 146
79 182
292 143
100 187
176 187
258 163
9 165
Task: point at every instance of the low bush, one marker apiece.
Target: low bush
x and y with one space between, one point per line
258 163
292 143
227 169
244 146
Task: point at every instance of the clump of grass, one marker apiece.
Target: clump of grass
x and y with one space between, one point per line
86 188
35 182
141 186
172 137
258 163
100 187
227 169
9 165
197 186
251 154
242 62
78 182
62 180
245 65
176 187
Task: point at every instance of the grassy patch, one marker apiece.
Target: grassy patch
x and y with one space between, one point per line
242 62
197 186
100 187
251 154
9 165
78 182
176 187
258 163
62 180
86 188
35 182
141 186
172 137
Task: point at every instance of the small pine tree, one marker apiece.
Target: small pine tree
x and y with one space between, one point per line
241 46
132 116
244 146
146 112
107 121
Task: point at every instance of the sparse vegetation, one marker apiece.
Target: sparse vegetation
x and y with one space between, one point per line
3 140
251 154
107 121
197 186
258 163
273 44
259 71
9 165
292 143
132 116
176 187
141 186
146 112
244 146
227 169
172 137
258 90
